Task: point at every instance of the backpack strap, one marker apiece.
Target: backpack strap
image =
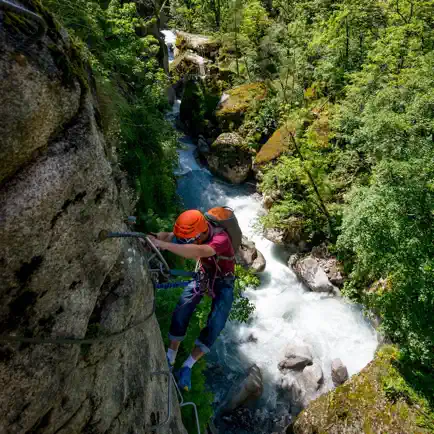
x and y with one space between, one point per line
225 258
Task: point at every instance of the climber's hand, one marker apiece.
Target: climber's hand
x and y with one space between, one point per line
157 242
163 236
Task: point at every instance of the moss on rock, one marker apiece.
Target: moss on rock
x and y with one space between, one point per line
377 400
276 145
236 103
230 158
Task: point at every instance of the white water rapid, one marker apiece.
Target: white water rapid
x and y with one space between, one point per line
286 313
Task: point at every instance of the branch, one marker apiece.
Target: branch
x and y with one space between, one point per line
322 204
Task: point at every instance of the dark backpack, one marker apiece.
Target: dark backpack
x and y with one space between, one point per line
223 218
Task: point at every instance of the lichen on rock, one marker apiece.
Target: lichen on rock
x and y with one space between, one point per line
275 146
374 401
236 102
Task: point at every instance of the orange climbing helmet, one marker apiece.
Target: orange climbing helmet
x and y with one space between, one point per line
190 225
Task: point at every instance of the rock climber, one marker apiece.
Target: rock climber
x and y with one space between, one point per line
193 237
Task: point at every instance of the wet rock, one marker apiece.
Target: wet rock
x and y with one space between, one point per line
313 377
250 257
329 264
235 103
339 372
202 146
189 64
292 391
205 46
230 158
308 269
276 236
296 357
250 389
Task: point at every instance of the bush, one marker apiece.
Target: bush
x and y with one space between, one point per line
132 98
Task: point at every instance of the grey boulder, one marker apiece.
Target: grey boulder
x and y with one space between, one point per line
250 257
297 357
339 372
312 274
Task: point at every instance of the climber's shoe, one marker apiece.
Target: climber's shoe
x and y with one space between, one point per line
170 365
183 376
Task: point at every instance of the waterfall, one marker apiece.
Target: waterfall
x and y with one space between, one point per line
286 313
170 39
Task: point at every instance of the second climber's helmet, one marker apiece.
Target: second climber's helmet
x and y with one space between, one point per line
190 225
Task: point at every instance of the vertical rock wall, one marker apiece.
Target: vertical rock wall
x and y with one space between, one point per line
58 191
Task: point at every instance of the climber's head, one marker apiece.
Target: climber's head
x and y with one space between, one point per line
191 227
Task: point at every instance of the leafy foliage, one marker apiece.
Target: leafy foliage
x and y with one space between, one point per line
131 93
353 82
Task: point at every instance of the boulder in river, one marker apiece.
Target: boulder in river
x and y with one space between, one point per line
189 64
311 273
297 357
313 377
235 103
230 158
250 389
250 257
329 264
339 372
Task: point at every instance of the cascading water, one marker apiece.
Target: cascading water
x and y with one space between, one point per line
285 313
170 39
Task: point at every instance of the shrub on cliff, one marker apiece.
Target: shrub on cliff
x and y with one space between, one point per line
131 96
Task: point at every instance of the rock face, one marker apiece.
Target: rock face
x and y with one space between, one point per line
190 112
339 372
235 103
296 357
250 257
58 191
230 158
